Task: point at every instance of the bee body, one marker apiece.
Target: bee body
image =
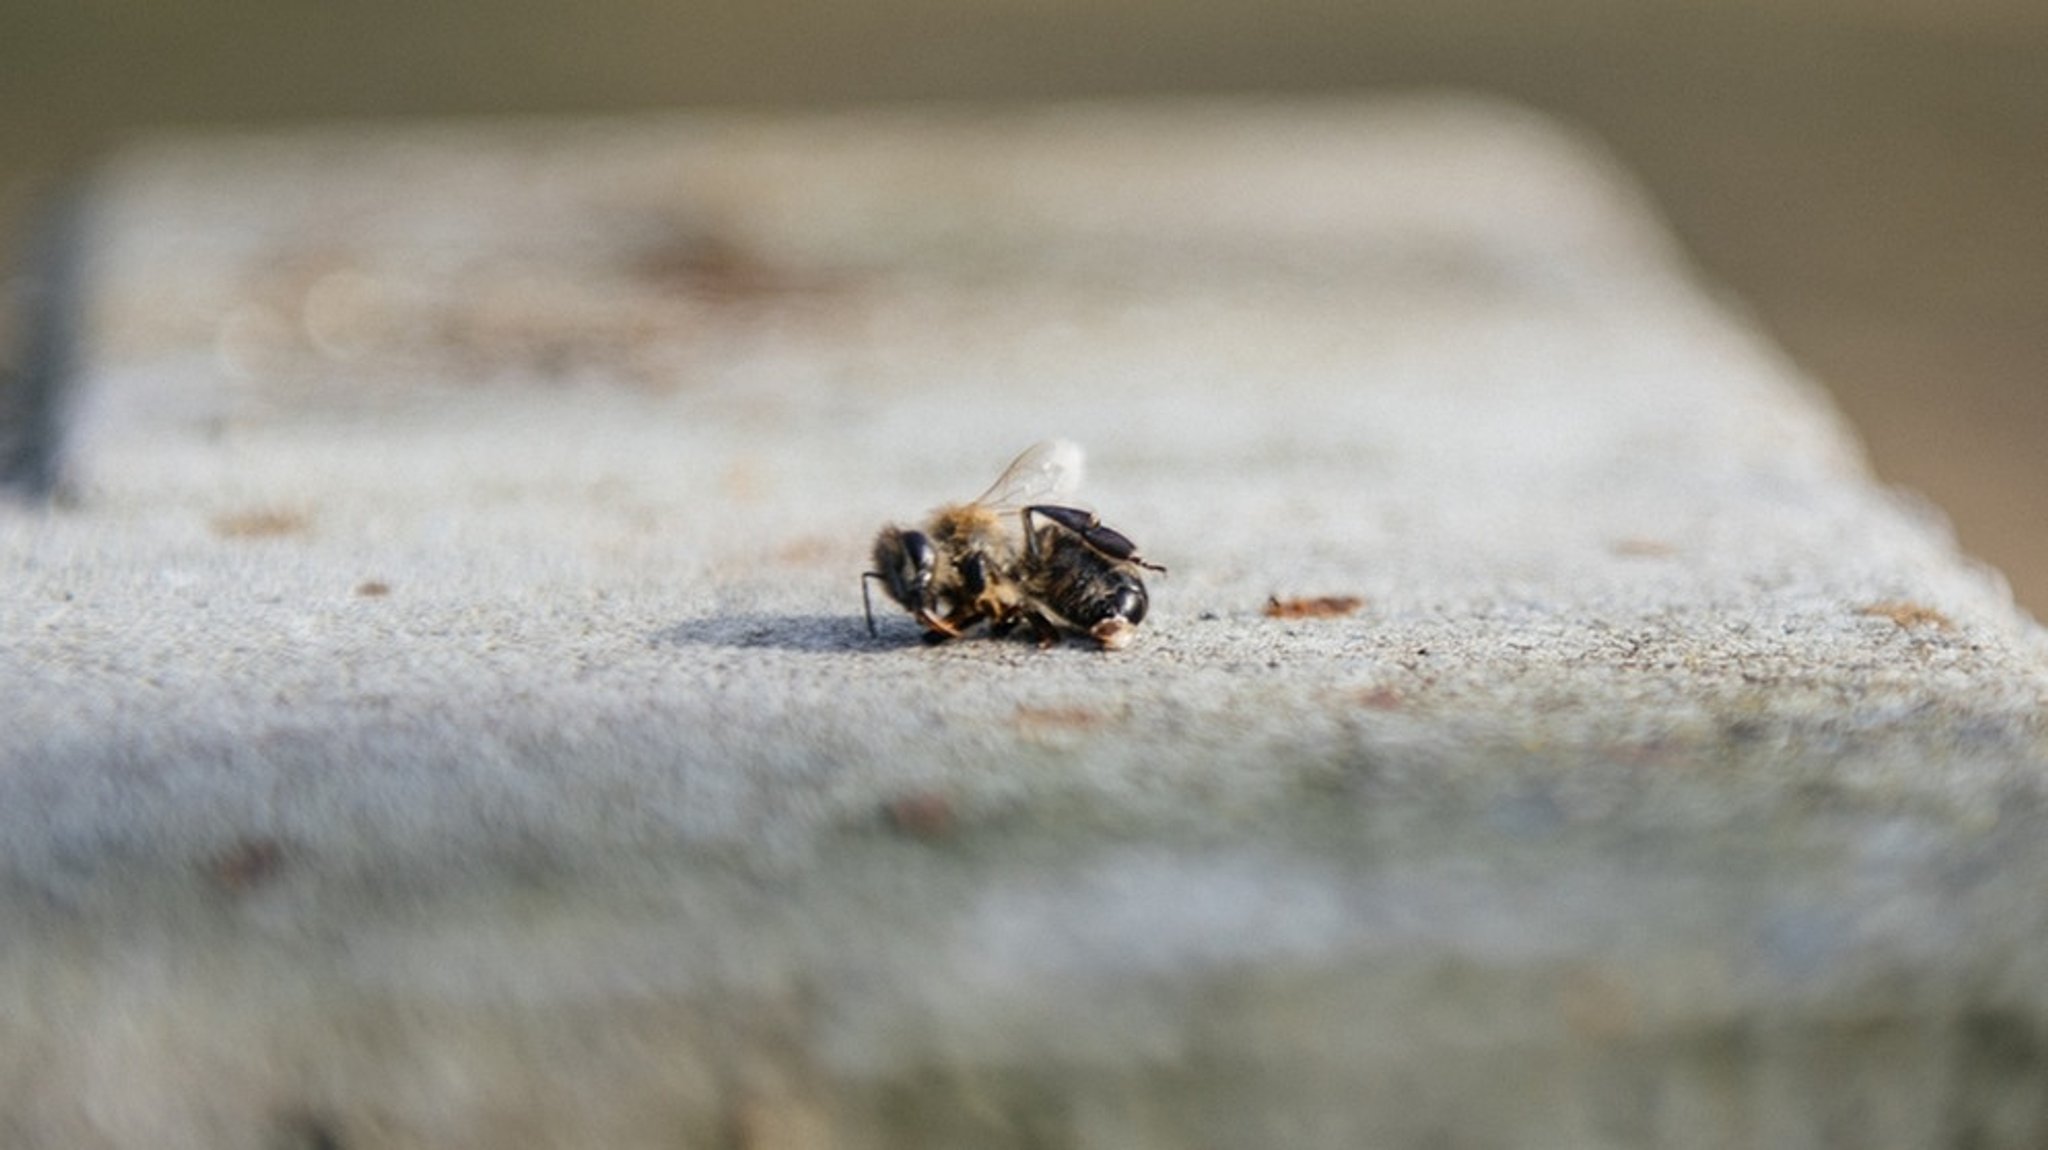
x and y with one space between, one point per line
1013 555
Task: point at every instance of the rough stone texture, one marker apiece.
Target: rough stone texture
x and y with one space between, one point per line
439 711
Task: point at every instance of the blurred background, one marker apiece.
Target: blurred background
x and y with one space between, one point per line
1869 178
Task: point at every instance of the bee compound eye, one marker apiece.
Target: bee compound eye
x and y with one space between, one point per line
917 548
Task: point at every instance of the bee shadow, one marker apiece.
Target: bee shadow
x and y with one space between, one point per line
756 631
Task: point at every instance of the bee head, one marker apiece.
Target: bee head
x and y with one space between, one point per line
906 562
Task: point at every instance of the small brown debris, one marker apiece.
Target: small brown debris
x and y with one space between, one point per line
1380 699
1317 607
373 588
246 864
807 551
1908 614
920 814
718 269
1596 1006
780 1123
1643 752
1068 718
745 481
1637 548
266 523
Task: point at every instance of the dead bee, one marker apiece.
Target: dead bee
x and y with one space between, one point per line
1016 553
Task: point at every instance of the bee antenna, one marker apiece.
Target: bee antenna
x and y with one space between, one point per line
867 603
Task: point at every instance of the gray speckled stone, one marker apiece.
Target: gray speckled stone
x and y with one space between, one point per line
440 712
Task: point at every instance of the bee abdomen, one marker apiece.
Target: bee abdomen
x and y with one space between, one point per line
1085 590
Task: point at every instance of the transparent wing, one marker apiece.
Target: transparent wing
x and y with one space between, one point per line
1048 472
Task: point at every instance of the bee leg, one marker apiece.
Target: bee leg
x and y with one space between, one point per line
975 599
937 629
973 571
1103 538
1043 630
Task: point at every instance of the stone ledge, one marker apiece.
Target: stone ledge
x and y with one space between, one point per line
445 716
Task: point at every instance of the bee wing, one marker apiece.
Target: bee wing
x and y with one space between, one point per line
1048 472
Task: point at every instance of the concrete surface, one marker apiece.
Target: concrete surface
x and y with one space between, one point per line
440 712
